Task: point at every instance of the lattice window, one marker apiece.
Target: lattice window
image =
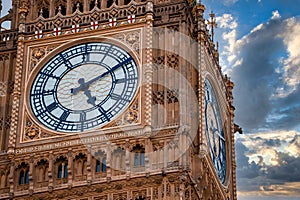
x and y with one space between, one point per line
159 62
172 96
173 61
158 97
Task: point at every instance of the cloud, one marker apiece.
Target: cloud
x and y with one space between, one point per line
230 2
266 73
229 26
256 172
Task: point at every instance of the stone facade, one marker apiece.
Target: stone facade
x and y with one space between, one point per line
157 148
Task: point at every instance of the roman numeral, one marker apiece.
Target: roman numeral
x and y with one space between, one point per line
103 112
124 80
64 116
52 106
67 62
82 116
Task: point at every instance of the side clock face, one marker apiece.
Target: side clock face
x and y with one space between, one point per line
84 87
214 132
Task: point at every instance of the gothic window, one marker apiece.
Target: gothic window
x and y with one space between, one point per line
3 182
23 173
61 167
118 161
41 172
138 153
93 4
80 167
140 198
101 165
24 177
61 6
127 2
110 3
43 8
78 5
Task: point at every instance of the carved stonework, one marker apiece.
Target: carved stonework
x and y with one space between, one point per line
130 117
32 131
131 38
3 89
38 53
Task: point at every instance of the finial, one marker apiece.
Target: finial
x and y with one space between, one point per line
77 6
59 8
96 3
41 12
213 24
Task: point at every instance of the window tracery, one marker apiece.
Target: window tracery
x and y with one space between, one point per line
118 161
61 169
80 167
23 174
138 156
41 173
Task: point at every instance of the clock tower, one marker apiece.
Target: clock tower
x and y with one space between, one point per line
113 99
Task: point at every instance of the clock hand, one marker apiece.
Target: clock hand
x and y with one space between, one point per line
91 99
86 85
83 86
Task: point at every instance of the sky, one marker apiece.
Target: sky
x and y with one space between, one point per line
260 50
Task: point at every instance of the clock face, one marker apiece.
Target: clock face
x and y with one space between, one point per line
214 132
84 87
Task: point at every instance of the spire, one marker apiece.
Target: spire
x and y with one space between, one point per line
213 24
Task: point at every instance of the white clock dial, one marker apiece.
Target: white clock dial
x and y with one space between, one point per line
84 87
215 132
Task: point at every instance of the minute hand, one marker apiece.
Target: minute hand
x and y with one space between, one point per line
108 72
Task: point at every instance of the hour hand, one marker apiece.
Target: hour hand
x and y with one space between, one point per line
91 100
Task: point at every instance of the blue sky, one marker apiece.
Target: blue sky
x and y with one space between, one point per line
260 51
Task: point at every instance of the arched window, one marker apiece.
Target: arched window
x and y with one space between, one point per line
98 165
59 171
138 156
103 168
26 177
61 166
21 178
101 165
23 171
127 2
66 171
92 4
110 3
78 5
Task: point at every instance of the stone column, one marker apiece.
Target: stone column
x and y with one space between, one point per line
69 7
70 166
50 172
51 9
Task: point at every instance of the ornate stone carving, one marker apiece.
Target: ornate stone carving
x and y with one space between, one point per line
131 116
32 131
131 38
40 52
